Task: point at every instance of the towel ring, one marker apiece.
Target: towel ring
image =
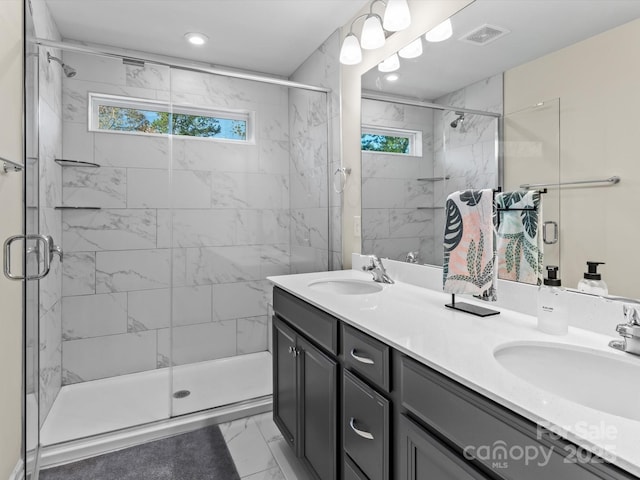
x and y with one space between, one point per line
343 171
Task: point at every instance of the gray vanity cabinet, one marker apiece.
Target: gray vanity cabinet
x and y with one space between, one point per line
305 385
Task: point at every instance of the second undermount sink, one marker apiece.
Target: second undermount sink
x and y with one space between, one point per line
346 286
600 380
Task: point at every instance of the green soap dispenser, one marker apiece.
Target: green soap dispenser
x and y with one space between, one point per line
592 282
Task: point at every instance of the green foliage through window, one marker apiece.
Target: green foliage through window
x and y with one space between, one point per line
385 143
150 121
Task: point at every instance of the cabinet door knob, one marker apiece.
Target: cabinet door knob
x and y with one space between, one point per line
362 433
360 358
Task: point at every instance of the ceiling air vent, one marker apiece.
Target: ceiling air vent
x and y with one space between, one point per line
484 34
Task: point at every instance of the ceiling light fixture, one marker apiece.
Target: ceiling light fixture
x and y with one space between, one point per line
413 50
392 77
440 32
195 38
391 64
396 17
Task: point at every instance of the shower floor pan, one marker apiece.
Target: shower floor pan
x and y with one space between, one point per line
100 406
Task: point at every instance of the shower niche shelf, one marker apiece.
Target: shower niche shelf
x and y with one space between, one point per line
433 179
75 163
430 208
65 207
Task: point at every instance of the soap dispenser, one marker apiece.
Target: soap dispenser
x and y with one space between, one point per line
552 316
592 281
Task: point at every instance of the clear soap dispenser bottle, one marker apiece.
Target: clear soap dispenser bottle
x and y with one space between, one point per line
552 315
592 281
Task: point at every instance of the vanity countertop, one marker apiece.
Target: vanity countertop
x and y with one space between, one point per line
415 321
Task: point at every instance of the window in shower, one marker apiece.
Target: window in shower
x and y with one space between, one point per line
391 140
110 113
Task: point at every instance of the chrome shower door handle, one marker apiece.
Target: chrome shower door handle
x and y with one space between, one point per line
550 240
47 247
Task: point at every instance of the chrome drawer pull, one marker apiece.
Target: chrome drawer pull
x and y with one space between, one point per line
361 433
366 360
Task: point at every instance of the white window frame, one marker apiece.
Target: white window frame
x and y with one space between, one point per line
414 136
98 99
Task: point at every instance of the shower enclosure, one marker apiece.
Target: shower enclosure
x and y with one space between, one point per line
173 193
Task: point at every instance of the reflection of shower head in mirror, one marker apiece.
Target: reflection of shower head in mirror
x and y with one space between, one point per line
68 71
460 119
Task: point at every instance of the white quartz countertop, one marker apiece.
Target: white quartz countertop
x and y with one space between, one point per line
415 321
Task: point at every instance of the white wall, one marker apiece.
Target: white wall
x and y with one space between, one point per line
597 83
11 52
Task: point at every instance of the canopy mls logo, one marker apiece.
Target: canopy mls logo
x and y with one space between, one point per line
590 447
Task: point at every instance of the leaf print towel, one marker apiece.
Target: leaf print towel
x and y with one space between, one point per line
469 244
520 251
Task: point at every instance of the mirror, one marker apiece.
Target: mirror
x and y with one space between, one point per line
565 90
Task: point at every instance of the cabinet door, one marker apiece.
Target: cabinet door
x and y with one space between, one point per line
285 381
422 457
318 404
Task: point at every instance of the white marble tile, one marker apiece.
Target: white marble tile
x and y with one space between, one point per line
95 68
192 305
385 165
50 356
251 335
395 193
148 188
94 315
198 343
275 260
211 265
112 229
50 79
395 248
148 309
101 357
77 142
215 156
203 228
274 156
410 223
271 474
241 299
131 151
308 185
126 270
250 190
291 466
262 226
309 227
248 449
375 223
50 148
151 76
308 259
94 187
191 189
267 427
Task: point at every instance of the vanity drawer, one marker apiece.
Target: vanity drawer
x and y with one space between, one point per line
366 355
318 325
365 425
351 471
472 422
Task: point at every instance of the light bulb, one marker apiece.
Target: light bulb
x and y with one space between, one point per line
350 53
413 50
440 32
392 77
195 38
372 33
396 16
391 64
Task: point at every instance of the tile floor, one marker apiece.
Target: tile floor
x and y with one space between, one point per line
259 450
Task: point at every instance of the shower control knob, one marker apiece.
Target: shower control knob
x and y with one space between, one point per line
291 350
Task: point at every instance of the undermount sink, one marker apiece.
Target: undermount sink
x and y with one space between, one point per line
346 286
599 380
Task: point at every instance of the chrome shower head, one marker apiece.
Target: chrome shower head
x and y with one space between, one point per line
460 119
68 71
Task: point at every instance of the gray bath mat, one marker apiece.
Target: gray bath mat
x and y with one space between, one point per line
198 455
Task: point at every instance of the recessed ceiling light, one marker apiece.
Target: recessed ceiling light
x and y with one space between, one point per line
392 77
195 38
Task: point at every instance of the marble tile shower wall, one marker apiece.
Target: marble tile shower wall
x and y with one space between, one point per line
50 195
229 207
308 123
392 224
468 153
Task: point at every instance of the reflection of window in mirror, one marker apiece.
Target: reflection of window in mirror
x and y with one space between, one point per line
391 140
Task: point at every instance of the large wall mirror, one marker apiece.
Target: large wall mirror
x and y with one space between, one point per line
523 93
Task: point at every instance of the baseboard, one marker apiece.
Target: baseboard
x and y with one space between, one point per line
18 471
62 453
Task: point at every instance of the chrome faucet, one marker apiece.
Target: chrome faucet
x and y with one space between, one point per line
630 331
412 257
377 270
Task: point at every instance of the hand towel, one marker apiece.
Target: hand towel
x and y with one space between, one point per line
469 244
520 247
